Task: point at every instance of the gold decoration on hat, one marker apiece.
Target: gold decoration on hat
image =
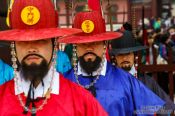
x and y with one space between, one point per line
30 15
87 26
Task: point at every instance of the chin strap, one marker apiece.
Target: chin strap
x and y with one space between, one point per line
28 100
32 100
92 89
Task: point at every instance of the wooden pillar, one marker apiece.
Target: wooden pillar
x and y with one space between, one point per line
67 5
154 8
129 10
110 16
170 74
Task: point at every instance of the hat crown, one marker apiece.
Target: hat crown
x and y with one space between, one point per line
126 41
91 22
33 14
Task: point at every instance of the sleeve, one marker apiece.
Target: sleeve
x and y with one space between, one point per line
145 101
6 72
62 62
152 84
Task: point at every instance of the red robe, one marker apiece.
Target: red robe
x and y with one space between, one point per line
72 100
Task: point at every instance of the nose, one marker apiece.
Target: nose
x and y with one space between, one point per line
32 48
89 47
125 57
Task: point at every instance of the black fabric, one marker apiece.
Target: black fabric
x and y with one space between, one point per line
152 85
126 41
92 89
125 44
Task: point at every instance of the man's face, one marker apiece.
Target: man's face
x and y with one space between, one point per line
94 47
34 58
172 31
32 50
125 61
90 55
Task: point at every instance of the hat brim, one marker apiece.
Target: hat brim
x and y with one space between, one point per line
75 39
126 50
36 34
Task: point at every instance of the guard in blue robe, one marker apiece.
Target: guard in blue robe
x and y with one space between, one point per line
120 93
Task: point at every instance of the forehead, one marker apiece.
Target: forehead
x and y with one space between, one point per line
171 29
91 43
125 54
43 41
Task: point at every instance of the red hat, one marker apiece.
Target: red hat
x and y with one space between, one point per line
34 20
93 27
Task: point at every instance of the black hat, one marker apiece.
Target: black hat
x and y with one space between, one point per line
127 26
4 44
125 44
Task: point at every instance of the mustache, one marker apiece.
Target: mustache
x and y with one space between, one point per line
89 53
125 62
32 55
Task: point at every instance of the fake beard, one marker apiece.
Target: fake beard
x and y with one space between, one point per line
90 66
34 72
126 67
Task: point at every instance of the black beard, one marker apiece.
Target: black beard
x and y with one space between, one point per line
90 66
34 72
126 68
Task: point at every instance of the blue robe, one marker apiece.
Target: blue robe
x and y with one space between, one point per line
62 62
6 72
121 94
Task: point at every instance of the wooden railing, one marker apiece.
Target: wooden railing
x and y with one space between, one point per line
156 68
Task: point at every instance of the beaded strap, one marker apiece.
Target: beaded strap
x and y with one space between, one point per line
98 71
16 78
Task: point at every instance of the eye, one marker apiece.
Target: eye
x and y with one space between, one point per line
43 41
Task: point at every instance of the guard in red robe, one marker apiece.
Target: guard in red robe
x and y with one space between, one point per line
37 88
72 100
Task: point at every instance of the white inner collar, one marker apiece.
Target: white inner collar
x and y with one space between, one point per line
23 86
133 71
103 71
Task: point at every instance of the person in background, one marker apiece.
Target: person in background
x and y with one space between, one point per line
119 92
63 63
37 88
123 53
6 72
